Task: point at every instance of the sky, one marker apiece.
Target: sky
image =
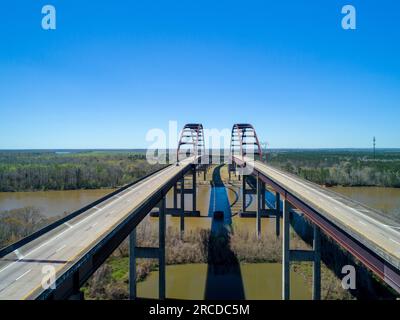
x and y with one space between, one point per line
113 70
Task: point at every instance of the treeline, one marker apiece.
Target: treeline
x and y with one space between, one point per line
346 168
18 223
30 171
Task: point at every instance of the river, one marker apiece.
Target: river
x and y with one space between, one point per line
51 203
261 281
385 200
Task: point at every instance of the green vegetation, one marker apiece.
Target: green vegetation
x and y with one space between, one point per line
19 223
341 167
45 170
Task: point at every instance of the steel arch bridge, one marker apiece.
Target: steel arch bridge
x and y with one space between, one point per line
244 141
191 141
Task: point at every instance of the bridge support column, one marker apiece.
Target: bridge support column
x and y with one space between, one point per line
317 264
182 222
288 255
175 196
277 213
243 193
132 265
259 207
149 253
286 251
194 190
77 293
263 189
161 245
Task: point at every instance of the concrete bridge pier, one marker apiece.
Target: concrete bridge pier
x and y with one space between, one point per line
132 265
77 293
243 194
175 204
277 214
194 189
286 251
149 253
288 255
182 220
259 206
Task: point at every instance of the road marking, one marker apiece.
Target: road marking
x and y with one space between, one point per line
97 208
68 225
394 241
62 247
362 222
23 274
18 254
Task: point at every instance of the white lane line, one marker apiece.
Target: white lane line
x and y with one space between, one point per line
363 223
62 247
394 241
96 207
23 274
68 225
18 254
131 189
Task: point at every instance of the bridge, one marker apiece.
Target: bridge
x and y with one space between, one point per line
56 261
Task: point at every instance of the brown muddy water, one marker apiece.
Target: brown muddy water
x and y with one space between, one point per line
385 200
261 281
51 203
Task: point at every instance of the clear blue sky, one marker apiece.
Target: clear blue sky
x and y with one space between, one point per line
115 69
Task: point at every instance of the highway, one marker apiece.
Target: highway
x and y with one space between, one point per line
378 233
22 273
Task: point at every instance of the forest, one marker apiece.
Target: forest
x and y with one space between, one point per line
49 170
341 167
46 170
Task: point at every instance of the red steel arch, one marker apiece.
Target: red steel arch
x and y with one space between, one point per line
192 136
243 139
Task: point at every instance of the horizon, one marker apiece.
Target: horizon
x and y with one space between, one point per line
145 149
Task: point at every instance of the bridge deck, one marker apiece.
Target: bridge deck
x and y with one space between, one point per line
21 271
378 233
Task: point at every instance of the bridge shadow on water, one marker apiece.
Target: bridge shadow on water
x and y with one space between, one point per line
224 278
